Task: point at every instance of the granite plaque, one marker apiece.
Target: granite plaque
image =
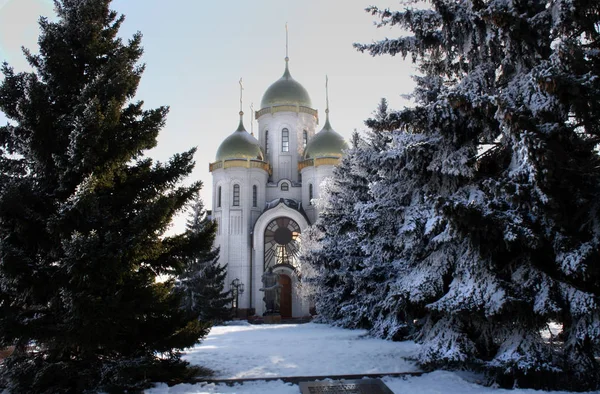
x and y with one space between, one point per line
359 386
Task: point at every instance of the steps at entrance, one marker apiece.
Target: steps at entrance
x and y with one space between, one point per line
284 320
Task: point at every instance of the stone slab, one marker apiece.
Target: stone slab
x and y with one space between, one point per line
358 386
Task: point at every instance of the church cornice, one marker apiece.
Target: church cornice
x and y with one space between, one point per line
320 161
287 108
242 163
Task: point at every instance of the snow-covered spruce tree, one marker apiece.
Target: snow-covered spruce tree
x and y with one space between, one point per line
392 276
409 251
370 277
83 215
522 75
332 247
203 279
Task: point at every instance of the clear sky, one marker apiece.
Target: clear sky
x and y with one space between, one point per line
196 51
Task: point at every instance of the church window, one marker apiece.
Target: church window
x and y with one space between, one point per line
282 243
310 193
285 140
285 187
254 196
219 197
304 139
266 143
236 195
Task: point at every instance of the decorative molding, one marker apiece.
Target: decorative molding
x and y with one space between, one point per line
287 108
243 163
320 161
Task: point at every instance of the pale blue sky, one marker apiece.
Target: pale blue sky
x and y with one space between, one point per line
197 50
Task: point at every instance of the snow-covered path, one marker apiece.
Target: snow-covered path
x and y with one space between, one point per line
249 351
253 351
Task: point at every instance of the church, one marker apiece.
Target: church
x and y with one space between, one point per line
264 190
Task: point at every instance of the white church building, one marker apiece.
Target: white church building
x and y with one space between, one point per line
264 189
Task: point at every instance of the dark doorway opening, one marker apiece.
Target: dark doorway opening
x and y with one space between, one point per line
285 302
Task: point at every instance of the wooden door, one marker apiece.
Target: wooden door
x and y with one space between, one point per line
285 302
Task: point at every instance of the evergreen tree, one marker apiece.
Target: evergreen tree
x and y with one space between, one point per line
371 275
408 251
83 214
331 252
517 226
203 279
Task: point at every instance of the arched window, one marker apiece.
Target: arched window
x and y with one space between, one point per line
285 140
254 196
285 187
310 193
219 197
282 243
304 139
236 195
266 143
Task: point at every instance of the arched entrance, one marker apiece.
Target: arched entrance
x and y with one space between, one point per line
276 242
281 254
285 301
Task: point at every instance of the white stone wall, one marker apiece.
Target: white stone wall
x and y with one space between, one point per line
321 173
236 222
314 176
285 164
308 177
273 191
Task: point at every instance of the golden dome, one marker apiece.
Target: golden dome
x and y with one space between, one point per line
286 91
240 145
326 143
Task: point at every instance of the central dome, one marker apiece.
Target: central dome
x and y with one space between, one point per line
286 91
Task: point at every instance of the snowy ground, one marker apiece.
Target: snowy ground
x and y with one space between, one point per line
256 351
253 351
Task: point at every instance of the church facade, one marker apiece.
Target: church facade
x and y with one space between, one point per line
264 190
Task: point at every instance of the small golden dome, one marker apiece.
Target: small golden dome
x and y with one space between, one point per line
326 143
240 145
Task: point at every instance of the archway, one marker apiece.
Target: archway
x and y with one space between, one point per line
278 252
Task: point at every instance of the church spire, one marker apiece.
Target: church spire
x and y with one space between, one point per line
287 58
286 73
327 125
252 119
241 125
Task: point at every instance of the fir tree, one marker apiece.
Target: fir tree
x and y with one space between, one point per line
331 250
83 214
518 224
203 279
407 251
